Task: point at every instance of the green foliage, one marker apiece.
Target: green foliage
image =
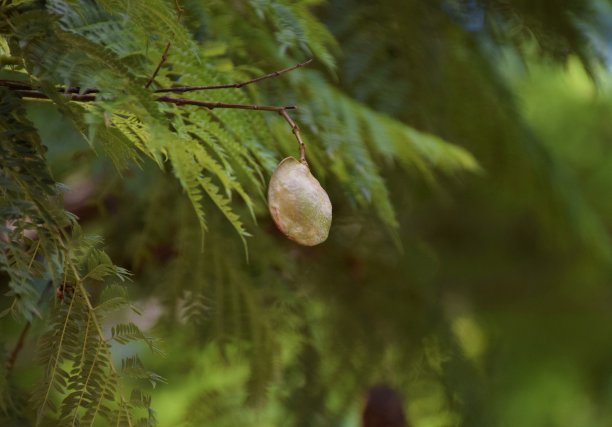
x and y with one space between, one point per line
295 27
294 336
32 241
355 135
80 380
112 47
138 124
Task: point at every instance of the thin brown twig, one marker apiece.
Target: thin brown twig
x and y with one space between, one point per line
21 85
179 10
164 57
162 60
296 131
15 85
73 94
18 85
167 99
211 105
10 362
31 93
273 74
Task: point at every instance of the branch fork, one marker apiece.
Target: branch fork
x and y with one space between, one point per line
89 95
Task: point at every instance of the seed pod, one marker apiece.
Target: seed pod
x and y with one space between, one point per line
299 205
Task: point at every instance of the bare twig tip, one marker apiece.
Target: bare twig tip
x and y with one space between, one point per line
162 60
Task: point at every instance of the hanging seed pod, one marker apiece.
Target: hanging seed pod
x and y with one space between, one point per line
299 205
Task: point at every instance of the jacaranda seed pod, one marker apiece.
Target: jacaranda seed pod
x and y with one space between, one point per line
300 207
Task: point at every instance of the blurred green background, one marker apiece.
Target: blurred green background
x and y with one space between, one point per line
489 305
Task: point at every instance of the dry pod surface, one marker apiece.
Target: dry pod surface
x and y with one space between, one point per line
299 205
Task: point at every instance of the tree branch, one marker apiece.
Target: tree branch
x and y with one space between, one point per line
296 131
211 105
36 94
15 85
21 85
73 94
30 93
10 362
273 74
162 60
